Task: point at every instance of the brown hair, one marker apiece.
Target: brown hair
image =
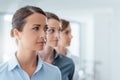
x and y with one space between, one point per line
64 24
18 20
52 16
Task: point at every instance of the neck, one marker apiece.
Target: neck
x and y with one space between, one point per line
27 58
47 54
61 50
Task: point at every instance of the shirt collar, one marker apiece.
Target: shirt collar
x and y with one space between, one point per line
68 53
13 62
40 64
56 55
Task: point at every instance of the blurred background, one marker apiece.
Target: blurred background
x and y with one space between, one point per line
95 27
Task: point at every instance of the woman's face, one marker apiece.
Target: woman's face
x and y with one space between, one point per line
53 32
65 37
33 34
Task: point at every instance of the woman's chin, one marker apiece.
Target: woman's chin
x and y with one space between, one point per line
40 49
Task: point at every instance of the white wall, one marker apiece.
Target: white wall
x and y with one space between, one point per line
106 23
107 44
115 45
103 24
1 37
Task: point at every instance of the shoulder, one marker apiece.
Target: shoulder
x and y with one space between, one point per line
3 67
66 59
50 67
62 60
52 70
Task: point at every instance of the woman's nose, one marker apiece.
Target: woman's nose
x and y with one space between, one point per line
42 34
58 35
71 36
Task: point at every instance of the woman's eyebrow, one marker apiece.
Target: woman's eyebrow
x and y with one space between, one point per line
37 25
51 27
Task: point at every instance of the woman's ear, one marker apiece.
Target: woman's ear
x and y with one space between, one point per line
17 34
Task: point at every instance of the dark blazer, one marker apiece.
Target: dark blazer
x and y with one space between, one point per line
65 64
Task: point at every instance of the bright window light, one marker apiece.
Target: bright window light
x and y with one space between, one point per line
9 45
75 42
8 17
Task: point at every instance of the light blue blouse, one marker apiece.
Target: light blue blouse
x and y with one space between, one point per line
11 70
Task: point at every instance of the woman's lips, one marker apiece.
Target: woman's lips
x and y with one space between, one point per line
41 43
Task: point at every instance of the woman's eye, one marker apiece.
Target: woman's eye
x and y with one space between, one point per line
36 28
67 32
59 30
51 30
46 28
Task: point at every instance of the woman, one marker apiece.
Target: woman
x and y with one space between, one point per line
65 40
65 37
29 29
50 55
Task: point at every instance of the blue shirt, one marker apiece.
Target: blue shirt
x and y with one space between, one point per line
11 70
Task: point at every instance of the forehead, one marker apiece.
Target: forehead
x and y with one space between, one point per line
68 28
53 23
36 18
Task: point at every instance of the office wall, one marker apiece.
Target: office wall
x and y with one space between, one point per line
1 37
115 45
106 40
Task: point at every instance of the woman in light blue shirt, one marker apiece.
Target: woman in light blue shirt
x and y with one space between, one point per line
29 29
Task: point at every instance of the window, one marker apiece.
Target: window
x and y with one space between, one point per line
8 44
75 43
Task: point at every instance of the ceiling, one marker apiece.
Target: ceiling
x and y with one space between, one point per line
8 6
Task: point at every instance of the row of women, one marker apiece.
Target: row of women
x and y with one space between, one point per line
41 40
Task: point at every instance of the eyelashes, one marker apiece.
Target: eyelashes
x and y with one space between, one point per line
46 28
36 28
50 30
